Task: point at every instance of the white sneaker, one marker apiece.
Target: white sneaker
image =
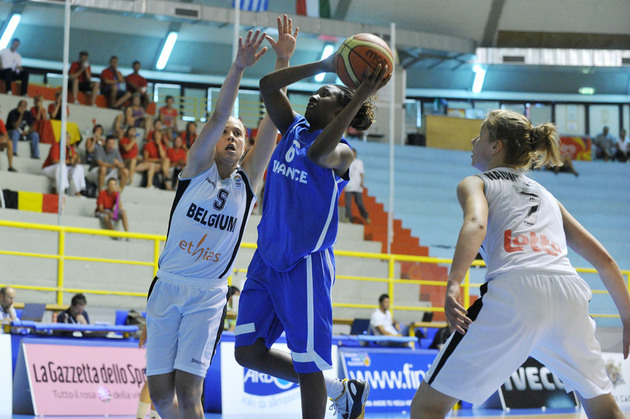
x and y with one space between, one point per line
351 403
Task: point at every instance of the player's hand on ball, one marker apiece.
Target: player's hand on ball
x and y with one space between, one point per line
374 80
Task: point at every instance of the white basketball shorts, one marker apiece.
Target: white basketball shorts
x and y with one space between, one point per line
542 315
184 325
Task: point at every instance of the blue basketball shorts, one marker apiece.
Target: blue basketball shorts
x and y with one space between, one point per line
297 302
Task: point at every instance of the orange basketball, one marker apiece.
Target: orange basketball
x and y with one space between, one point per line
358 52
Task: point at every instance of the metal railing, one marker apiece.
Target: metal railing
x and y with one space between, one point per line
59 289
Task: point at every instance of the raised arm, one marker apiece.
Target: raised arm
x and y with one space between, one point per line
326 150
201 154
276 101
471 235
257 159
587 246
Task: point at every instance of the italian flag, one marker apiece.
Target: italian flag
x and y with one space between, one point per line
313 8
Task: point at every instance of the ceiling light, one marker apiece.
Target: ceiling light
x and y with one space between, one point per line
9 30
480 75
586 90
166 50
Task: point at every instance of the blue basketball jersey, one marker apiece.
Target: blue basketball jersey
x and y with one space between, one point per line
300 201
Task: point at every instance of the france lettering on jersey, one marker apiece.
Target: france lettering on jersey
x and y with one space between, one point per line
208 218
300 203
525 230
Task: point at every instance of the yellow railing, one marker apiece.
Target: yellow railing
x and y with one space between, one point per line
391 259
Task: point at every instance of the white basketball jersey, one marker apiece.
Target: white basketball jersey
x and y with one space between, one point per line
525 230
208 218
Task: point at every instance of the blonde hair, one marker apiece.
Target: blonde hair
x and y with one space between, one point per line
524 144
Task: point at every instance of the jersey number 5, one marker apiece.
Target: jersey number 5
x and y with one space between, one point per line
221 198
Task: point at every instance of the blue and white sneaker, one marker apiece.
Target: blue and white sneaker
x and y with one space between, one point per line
351 403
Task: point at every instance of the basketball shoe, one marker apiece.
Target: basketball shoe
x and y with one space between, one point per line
351 403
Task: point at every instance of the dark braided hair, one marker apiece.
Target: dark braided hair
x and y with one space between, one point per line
367 113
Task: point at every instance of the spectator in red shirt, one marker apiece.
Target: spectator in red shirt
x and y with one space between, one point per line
177 158
73 173
38 110
168 114
190 135
155 153
80 79
6 144
128 147
109 206
136 84
54 109
112 83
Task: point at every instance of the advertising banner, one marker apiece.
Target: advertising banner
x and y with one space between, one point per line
6 381
394 375
619 373
579 148
83 380
249 392
534 386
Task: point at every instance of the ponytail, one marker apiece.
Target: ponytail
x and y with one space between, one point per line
523 143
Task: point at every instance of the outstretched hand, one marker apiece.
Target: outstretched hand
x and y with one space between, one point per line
456 314
373 80
287 37
248 51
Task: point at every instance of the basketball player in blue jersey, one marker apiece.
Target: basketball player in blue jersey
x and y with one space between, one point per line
290 277
214 198
533 302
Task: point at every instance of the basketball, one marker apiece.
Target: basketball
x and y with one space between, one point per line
358 52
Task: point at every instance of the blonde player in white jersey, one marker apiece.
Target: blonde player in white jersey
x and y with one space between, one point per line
214 198
533 302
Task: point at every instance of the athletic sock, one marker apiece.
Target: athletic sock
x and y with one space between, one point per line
334 387
142 410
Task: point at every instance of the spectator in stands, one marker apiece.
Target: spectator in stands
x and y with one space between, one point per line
11 68
154 152
38 110
81 79
565 167
139 115
136 84
622 147
354 189
168 114
190 135
604 145
382 322
73 173
112 85
123 121
76 313
54 108
109 206
177 158
6 144
7 311
91 143
128 147
109 164
20 127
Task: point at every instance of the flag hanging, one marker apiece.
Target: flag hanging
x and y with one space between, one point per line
252 5
313 8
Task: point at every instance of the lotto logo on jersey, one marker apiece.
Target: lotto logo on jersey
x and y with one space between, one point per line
531 241
259 384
